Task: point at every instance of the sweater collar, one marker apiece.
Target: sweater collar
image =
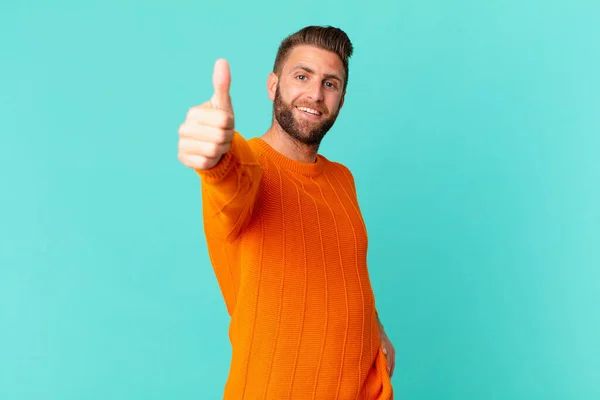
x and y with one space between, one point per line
303 168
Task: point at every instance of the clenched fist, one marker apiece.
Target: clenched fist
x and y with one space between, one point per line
206 134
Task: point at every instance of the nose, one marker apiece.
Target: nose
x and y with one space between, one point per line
316 91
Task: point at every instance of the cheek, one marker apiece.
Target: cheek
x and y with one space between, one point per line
294 92
293 95
333 102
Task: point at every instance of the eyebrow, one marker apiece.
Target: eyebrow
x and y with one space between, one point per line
310 71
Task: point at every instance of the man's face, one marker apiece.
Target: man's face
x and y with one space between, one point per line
309 93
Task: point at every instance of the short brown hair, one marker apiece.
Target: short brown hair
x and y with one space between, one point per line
324 37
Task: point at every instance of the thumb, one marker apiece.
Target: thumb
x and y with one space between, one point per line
221 84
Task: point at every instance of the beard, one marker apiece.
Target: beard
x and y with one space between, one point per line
304 131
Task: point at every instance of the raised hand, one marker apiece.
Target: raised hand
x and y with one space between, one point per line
206 134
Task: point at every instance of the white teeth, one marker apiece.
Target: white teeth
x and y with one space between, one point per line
309 110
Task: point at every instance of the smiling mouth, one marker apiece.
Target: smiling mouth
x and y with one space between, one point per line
310 111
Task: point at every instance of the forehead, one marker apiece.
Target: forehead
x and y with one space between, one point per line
320 60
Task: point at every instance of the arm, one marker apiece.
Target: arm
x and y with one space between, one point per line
229 190
388 348
386 344
229 170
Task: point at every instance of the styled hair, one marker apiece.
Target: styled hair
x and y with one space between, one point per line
323 37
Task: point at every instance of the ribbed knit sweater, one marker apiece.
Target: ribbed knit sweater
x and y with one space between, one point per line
289 247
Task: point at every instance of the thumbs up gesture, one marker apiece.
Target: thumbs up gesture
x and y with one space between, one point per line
206 134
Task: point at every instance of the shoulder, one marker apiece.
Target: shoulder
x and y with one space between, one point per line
340 168
256 145
332 164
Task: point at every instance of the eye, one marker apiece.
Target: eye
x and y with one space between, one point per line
301 77
330 84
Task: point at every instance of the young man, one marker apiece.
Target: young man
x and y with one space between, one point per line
285 234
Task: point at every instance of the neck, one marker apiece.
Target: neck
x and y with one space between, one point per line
285 144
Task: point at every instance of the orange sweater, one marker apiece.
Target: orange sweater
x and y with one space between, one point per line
288 246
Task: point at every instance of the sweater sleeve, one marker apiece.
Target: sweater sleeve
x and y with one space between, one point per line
229 190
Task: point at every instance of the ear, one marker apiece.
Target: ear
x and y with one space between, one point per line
272 85
342 99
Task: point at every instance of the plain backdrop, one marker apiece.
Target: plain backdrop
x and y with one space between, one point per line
473 132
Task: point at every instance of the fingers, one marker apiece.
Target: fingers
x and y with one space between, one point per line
391 362
205 133
221 83
197 162
204 115
205 149
390 356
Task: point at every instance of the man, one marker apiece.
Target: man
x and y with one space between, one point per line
285 234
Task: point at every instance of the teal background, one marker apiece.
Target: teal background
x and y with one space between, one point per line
473 131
